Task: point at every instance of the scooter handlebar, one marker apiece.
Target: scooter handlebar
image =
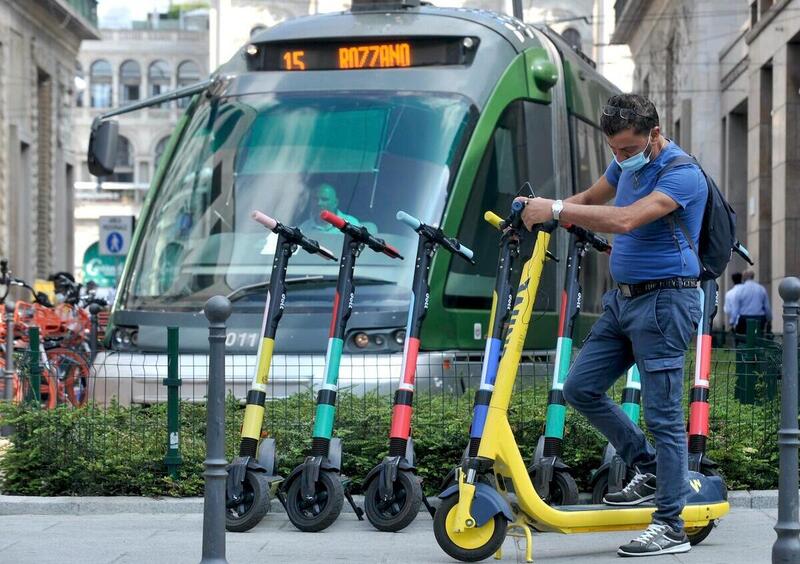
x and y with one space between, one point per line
599 243
293 234
361 234
409 220
493 219
436 235
742 251
264 220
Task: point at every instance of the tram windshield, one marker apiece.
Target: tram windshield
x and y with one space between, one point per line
291 155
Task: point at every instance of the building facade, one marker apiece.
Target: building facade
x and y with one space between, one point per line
676 48
124 66
39 43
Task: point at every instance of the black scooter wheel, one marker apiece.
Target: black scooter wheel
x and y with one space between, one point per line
470 545
698 534
563 489
400 510
319 513
254 504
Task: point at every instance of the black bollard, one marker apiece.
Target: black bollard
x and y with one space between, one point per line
8 373
94 310
217 310
787 547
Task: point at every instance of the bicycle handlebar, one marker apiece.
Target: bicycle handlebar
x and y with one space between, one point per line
742 251
361 234
293 234
436 235
599 243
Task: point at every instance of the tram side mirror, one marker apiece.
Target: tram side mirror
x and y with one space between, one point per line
103 147
545 74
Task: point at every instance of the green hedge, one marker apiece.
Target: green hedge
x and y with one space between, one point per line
120 451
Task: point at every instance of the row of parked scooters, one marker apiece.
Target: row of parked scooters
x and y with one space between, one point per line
493 489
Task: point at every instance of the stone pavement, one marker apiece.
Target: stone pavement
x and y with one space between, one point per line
744 536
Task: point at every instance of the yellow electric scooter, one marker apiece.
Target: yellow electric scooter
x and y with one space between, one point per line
495 492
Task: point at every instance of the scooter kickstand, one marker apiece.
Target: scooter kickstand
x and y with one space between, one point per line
526 530
356 509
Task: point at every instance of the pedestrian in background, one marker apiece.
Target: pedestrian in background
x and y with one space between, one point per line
736 278
749 302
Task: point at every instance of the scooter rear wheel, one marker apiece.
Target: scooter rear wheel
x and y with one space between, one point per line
400 510
319 513
471 545
254 505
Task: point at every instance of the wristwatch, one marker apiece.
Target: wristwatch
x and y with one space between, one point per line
558 205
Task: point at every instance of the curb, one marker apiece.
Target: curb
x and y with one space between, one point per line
32 505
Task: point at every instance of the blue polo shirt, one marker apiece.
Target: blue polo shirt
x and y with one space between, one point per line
657 250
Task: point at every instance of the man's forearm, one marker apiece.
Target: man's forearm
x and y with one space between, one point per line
596 218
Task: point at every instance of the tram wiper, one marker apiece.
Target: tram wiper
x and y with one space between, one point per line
314 280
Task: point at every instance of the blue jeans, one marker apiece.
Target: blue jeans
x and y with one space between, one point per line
653 329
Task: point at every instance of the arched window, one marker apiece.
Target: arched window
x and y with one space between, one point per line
573 37
158 75
160 147
100 84
123 167
80 85
130 79
188 73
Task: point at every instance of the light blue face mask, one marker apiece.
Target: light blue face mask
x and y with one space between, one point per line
637 161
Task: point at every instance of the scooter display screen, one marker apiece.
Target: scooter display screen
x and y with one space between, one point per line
362 54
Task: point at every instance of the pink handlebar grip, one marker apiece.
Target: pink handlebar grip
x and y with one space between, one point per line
333 219
264 220
391 251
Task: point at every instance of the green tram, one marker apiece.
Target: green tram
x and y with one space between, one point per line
444 113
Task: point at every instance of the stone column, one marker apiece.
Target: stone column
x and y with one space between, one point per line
759 171
785 167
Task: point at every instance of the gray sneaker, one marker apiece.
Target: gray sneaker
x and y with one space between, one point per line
657 539
640 490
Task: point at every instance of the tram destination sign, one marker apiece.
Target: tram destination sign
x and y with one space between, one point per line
375 53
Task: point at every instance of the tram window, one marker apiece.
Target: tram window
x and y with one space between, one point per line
592 158
520 150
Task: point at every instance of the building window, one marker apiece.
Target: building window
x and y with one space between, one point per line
100 84
188 73
123 167
573 37
159 77
160 147
130 79
753 13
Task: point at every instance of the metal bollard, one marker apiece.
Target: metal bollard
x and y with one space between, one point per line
8 373
217 311
94 309
35 369
173 383
787 546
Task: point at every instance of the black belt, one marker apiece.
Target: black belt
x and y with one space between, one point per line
633 290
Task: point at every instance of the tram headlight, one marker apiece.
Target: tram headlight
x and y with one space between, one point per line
125 338
400 337
361 340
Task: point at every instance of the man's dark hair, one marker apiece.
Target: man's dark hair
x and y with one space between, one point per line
737 278
645 118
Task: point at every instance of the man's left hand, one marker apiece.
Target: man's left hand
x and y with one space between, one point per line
537 210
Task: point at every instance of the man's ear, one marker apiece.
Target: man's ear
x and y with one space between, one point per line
656 131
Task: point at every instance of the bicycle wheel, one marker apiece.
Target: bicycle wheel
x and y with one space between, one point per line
72 370
48 391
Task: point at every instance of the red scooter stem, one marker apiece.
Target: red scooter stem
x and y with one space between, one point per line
360 234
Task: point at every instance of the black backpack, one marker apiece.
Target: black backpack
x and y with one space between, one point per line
718 230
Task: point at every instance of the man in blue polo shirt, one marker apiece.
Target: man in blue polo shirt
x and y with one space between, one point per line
651 316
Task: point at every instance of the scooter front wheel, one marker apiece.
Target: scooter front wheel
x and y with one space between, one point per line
319 513
400 509
254 504
470 545
563 489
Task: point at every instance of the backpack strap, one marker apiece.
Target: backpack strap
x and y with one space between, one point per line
673 218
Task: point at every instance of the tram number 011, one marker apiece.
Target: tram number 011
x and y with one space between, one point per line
383 56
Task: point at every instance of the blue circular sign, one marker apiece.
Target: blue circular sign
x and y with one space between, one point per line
114 242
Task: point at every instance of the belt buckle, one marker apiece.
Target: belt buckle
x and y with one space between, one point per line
625 290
